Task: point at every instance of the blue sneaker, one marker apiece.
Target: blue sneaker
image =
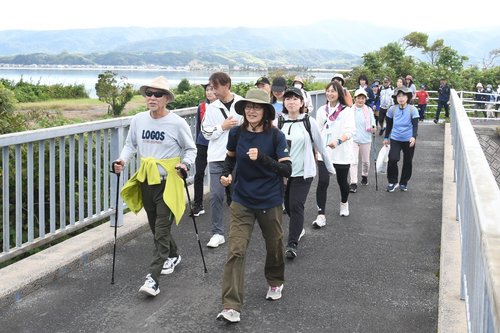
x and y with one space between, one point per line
391 187
403 187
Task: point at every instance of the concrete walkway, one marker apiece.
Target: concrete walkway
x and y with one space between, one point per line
375 271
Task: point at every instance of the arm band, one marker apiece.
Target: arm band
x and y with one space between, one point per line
283 169
414 122
388 128
229 164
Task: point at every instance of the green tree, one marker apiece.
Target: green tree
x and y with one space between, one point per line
433 50
373 62
116 93
10 122
416 40
490 61
183 86
450 60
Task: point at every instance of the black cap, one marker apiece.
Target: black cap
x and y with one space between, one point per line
293 91
279 84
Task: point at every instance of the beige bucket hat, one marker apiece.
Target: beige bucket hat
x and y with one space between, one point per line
160 83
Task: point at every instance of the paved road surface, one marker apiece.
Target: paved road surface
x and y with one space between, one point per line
374 271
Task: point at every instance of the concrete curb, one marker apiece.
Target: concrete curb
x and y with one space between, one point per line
451 314
32 273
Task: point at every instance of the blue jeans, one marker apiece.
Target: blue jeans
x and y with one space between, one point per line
421 110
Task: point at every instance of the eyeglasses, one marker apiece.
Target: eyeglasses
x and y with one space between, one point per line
256 107
157 94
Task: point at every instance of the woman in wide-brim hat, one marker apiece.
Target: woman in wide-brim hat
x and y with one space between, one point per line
258 152
404 90
401 134
261 99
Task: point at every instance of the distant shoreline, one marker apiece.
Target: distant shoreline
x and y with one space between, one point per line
144 68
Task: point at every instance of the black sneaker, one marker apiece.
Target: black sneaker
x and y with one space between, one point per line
291 251
381 131
364 180
435 121
197 210
353 188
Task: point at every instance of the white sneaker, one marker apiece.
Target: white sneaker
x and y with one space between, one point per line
344 209
229 315
150 287
216 240
302 233
274 293
169 265
320 221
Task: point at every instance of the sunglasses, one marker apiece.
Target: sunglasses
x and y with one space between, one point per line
157 94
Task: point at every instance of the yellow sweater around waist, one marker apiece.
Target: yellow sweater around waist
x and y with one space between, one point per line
148 170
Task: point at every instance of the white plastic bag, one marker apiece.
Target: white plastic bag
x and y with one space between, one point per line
382 159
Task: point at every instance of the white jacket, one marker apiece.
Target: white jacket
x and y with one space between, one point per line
211 128
333 130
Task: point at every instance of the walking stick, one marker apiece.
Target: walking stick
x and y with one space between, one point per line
375 162
184 176
116 217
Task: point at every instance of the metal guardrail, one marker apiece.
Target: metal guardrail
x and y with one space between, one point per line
477 211
62 180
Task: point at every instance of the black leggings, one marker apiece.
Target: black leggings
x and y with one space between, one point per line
342 171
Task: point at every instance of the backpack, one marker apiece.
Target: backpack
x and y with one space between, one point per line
307 124
305 120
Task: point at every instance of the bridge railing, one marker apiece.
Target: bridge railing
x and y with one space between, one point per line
477 211
57 180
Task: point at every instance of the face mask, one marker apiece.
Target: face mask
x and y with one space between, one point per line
298 85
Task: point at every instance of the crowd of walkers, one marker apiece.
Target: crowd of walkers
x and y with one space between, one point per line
263 152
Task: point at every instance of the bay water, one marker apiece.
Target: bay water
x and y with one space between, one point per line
137 77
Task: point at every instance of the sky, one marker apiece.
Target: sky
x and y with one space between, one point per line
423 15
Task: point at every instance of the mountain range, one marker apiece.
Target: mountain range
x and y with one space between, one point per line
327 44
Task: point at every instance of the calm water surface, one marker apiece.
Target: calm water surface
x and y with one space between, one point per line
88 77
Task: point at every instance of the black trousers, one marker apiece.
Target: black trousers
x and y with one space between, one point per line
446 107
296 192
200 165
394 156
342 171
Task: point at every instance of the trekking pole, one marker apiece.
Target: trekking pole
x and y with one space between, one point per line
184 176
116 218
375 161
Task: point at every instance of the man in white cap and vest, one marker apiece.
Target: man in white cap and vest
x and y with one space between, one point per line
165 144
